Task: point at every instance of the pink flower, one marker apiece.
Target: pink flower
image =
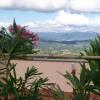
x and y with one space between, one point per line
11 28
73 72
35 39
32 36
25 33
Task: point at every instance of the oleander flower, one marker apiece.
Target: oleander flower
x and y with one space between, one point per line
73 71
12 30
24 33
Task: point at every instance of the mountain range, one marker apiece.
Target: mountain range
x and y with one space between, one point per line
64 42
67 37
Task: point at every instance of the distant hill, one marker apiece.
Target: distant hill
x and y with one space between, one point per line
67 38
64 42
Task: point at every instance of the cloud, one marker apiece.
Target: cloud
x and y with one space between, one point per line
72 19
85 5
54 26
67 22
95 21
49 25
6 4
4 24
75 6
35 5
64 21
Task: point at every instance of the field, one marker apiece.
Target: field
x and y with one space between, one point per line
60 48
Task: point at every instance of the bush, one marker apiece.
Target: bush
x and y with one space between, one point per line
15 41
89 80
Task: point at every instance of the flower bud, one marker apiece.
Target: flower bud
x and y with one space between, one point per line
73 72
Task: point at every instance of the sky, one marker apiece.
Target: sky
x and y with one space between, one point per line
52 15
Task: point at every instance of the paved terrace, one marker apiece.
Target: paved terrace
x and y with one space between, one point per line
51 65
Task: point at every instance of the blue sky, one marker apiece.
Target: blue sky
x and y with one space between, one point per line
52 15
24 16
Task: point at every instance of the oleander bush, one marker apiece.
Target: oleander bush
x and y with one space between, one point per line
89 80
14 41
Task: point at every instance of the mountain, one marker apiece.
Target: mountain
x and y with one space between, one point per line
67 38
64 42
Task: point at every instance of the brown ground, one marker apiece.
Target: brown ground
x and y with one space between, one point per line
50 70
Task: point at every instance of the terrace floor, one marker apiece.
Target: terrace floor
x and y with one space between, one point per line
50 70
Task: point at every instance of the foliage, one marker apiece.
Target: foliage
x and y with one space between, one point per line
79 86
15 41
58 94
94 65
27 88
89 79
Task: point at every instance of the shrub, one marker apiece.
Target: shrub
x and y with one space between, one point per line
15 41
89 80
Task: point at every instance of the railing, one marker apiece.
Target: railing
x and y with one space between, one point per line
55 58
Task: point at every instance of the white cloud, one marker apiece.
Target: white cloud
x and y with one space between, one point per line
67 22
6 3
72 19
52 5
95 22
85 5
64 21
36 5
4 24
49 25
